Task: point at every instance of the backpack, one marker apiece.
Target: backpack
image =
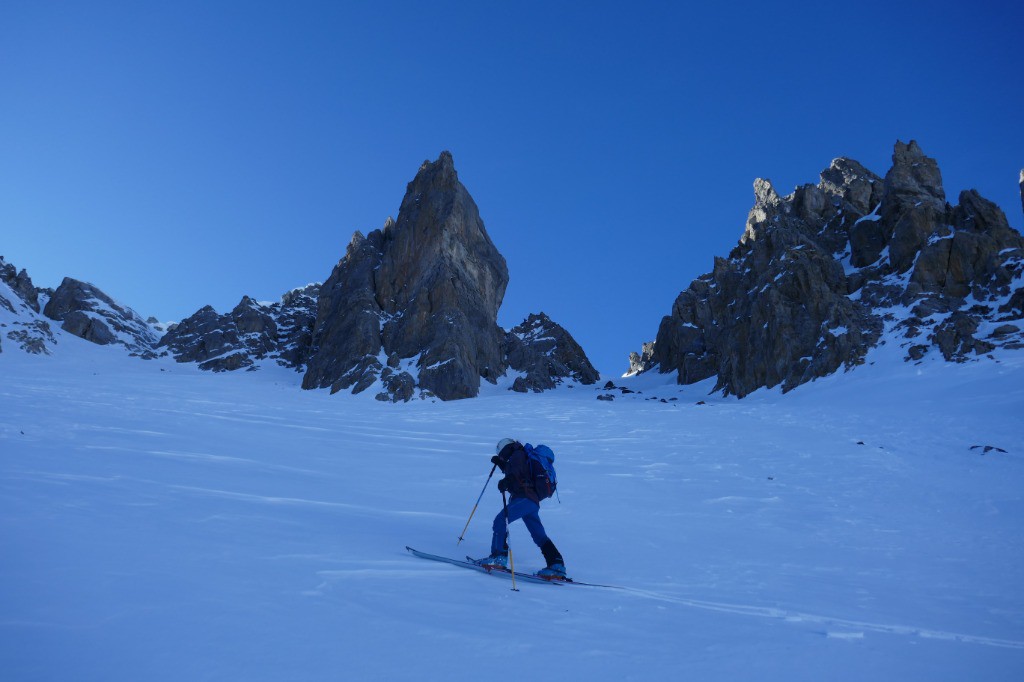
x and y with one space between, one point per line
545 482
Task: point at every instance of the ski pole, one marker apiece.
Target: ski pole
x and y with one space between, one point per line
477 504
511 561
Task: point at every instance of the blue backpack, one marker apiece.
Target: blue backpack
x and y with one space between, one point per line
545 482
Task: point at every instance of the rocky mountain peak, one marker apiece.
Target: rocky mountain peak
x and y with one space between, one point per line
439 233
82 309
439 174
20 284
823 275
850 183
915 176
85 311
20 319
766 211
424 289
546 355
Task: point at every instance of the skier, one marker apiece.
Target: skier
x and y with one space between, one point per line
522 478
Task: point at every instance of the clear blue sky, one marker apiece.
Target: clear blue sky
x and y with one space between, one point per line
178 154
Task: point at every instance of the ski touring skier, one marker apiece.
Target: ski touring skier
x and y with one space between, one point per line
528 481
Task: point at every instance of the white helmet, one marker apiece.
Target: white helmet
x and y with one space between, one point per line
501 444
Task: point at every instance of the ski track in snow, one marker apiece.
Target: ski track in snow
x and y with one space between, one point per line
836 628
263 499
853 629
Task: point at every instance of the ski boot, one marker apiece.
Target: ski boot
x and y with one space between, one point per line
496 560
553 572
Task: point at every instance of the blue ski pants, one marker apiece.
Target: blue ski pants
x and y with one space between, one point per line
518 508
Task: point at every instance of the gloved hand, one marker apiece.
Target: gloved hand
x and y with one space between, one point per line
496 460
503 485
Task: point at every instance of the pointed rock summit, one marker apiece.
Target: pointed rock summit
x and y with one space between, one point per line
823 275
415 304
410 309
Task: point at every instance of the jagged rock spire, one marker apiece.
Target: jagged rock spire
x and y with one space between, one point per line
426 288
410 307
820 274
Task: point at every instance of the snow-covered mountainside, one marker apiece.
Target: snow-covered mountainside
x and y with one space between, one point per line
22 327
823 275
88 313
164 523
83 311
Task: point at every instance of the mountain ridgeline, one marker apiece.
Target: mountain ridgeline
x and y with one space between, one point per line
818 279
410 310
823 275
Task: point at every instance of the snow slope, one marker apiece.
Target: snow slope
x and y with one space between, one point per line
160 523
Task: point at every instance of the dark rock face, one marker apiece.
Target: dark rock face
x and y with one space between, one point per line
251 331
546 355
204 337
347 328
88 313
821 274
426 288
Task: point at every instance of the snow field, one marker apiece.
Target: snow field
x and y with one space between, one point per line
162 523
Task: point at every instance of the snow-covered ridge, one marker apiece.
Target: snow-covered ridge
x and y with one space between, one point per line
81 309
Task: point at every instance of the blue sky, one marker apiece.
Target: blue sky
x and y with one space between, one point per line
188 153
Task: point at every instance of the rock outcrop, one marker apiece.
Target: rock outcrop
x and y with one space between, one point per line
415 303
20 285
20 321
86 312
251 332
820 276
546 355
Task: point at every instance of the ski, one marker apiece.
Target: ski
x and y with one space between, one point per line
524 577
